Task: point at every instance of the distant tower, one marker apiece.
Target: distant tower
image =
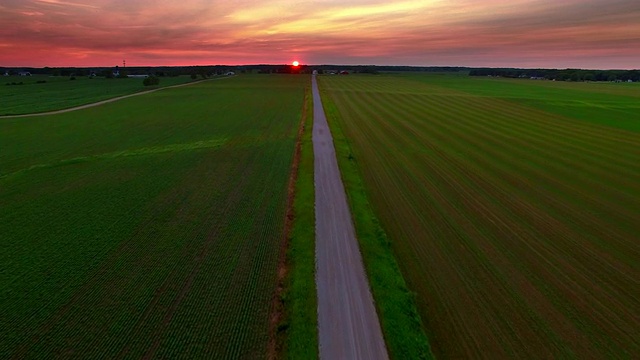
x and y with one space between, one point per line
124 63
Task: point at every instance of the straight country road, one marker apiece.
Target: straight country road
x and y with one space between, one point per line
348 325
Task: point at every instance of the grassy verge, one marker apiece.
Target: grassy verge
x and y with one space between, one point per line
301 320
396 306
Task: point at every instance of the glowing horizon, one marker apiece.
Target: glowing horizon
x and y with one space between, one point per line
598 34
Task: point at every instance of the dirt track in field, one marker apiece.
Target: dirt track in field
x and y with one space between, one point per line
348 326
76 108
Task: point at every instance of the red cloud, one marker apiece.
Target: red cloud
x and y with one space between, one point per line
527 33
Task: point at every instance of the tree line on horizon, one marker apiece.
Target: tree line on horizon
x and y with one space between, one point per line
560 75
206 71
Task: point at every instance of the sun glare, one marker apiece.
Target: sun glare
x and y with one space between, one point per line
295 63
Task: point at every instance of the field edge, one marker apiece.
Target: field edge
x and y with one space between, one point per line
298 327
101 99
402 326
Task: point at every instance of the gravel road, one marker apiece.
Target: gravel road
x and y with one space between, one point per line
348 324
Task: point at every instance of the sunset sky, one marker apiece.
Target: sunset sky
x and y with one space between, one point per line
599 34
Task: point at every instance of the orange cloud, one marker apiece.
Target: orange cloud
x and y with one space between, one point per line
527 33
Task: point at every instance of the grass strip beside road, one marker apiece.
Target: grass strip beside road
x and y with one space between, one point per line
401 324
301 318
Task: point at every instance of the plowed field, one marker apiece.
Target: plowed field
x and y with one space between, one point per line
516 225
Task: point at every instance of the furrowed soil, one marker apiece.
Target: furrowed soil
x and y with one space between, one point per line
515 224
150 227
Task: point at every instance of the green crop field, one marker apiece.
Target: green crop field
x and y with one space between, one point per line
603 103
41 93
148 227
512 207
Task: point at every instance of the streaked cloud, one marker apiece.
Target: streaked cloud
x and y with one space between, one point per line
65 3
527 33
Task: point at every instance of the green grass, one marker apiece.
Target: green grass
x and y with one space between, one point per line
61 93
301 300
147 227
515 224
401 324
611 104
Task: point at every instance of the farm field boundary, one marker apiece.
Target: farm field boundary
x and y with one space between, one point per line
348 323
102 102
399 319
516 226
300 325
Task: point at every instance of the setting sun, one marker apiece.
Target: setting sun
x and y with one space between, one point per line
295 63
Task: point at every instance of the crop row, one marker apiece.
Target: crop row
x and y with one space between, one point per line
516 227
168 254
